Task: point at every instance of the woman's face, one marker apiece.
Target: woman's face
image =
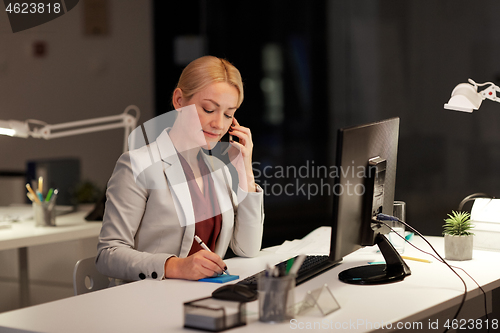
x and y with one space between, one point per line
215 105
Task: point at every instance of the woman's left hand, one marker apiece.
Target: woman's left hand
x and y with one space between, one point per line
240 155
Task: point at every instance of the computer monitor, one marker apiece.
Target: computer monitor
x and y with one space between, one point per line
364 186
365 178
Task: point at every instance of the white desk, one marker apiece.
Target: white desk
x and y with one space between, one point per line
24 234
152 306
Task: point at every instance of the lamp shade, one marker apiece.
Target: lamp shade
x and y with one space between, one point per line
14 128
5 128
464 98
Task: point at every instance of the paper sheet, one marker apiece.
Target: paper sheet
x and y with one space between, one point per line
16 213
315 243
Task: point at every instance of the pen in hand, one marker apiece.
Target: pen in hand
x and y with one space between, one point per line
205 247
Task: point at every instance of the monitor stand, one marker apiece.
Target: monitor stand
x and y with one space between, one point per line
395 269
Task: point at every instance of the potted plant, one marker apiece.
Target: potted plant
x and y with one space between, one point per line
457 236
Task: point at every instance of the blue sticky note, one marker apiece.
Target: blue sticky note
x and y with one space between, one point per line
221 278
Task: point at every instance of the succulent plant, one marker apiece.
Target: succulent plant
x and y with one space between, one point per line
458 224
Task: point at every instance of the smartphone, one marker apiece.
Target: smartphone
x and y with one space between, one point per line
228 137
225 142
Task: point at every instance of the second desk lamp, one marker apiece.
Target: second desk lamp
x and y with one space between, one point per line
466 98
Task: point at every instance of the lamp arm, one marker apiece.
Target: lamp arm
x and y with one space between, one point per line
491 92
124 120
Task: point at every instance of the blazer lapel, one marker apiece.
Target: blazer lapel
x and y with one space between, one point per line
179 189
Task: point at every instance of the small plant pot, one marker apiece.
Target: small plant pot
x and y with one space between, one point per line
458 247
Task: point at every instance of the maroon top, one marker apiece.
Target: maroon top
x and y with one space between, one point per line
206 206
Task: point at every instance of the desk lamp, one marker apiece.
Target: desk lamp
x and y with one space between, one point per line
39 129
485 210
466 98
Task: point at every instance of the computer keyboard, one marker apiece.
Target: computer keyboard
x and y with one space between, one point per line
312 266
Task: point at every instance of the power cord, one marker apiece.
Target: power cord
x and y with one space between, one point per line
380 218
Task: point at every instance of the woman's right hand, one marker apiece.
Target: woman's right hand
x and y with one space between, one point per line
197 266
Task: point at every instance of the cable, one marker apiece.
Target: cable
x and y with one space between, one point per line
439 258
456 267
473 197
381 217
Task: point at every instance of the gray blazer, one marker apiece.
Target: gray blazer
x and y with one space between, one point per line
149 214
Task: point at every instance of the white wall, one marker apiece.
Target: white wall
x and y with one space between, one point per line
80 77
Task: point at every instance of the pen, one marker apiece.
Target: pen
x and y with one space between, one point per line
289 265
33 193
40 184
297 263
53 198
416 259
205 247
30 196
40 196
271 271
49 195
404 257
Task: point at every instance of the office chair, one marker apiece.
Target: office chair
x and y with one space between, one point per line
86 277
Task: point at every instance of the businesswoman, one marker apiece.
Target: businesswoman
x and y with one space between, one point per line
164 193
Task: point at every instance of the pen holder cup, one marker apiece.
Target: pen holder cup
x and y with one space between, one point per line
276 298
44 214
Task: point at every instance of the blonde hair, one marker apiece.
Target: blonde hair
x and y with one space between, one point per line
206 70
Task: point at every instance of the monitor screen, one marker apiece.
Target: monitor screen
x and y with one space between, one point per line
364 186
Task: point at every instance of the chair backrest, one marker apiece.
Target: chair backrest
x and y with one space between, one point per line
86 277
